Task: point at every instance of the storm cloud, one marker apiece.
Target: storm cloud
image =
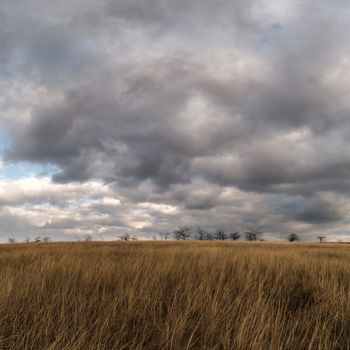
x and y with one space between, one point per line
228 113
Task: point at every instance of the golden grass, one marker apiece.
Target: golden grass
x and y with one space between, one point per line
174 295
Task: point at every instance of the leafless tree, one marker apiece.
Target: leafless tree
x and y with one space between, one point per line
182 233
88 238
253 234
209 236
134 237
46 239
155 237
12 240
235 236
27 240
164 236
321 238
37 239
201 234
293 237
125 237
221 235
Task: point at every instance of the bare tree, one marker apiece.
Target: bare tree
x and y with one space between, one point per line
220 235
293 237
12 240
155 237
27 240
46 239
125 237
321 238
253 234
200 233
235 236
88 238
37 239
182 233
209 236
164 236
134 237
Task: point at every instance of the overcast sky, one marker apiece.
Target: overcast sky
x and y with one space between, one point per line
140 116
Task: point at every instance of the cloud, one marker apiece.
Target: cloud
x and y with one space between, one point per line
177 104
40 207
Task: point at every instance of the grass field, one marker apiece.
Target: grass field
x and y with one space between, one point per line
174 295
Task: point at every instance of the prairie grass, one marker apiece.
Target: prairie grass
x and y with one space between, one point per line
174 295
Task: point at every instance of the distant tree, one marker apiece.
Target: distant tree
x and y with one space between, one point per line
164 236
125 237
321 238
209 236
12 240
88 238
182 233
37 239
27 240
155 237
46 239
293 237
235 236
201 234
220 235
253 234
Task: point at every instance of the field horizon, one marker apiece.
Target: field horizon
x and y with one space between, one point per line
175 295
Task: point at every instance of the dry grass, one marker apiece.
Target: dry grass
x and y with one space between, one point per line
188 295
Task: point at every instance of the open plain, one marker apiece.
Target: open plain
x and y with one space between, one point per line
174 295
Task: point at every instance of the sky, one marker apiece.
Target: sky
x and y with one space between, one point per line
139 116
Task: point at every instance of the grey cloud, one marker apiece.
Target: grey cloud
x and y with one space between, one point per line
319 214
174 13
155 97
320 209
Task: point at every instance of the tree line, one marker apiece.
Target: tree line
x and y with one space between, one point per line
183 233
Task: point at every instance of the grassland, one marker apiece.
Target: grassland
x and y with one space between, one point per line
170 295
